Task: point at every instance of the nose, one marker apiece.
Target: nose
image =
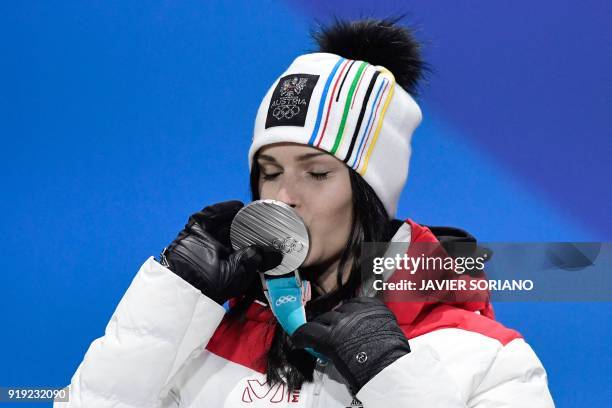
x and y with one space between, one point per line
288 194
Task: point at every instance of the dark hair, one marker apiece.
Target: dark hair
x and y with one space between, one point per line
285 364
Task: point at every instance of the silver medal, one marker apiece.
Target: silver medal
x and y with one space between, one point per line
276 224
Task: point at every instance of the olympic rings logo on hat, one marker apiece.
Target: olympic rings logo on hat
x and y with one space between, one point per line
285 299
287 245
285 112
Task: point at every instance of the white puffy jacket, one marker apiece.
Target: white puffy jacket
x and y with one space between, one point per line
158 351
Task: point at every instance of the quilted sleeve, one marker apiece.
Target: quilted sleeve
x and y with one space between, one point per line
515 379
160 324
416 380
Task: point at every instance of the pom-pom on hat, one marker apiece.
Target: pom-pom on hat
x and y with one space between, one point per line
344 102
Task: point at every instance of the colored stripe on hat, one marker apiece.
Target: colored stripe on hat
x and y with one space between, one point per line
364 105
369 126
329 104
347 106
358 84
380 121
344 79
322 101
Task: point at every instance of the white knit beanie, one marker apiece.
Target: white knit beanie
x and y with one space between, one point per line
348 108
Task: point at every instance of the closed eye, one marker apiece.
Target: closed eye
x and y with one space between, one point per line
319 176
271 176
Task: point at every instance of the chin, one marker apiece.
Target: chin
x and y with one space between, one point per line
311 260
307 262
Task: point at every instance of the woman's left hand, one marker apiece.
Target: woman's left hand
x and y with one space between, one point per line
361 338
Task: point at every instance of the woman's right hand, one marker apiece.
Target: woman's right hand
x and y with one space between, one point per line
201 254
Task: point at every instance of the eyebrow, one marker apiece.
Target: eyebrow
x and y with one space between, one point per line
300 158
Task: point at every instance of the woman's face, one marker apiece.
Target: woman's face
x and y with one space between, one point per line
317 186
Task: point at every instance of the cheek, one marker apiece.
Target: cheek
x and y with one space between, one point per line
329 220
264 190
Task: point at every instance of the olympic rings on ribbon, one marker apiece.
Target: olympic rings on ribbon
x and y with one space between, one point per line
285 299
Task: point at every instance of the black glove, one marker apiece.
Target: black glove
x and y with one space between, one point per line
201 254
361 338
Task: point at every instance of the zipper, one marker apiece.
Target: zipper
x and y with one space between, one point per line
176 396
319 376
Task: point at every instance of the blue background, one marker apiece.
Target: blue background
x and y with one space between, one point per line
119 119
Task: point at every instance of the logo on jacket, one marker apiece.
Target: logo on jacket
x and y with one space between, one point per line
290 100
355 403
257 391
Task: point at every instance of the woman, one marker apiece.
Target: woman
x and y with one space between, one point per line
332 140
